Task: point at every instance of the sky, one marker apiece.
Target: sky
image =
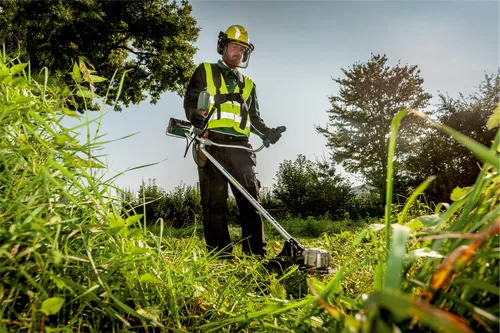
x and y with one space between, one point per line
299 47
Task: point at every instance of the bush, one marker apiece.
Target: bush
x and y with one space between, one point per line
365 205
304 188
179 207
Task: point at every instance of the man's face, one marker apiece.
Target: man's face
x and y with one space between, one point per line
234 54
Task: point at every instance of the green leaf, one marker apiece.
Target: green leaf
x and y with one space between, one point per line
376 226
120 86
19 81
459 193
84 92
360 236
136 250
277 290
4 70
396 120
133 219
135 233
494 120
55 256
149 278
62 139
70 113
96 78
6 79
396 256
478 284
152 313
75 74
430 221
52 305
414 224
80 162
116 224
17 68
65 91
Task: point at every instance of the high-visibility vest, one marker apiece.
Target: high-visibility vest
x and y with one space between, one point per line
229 110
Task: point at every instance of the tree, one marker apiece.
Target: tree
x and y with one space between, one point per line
150 39
359 122
441 156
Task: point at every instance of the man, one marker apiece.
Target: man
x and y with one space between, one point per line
232 115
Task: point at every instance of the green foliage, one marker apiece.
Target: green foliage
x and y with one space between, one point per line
67 265
370 95
234 214
151 40
311 227
430 269
439 155
178 207
183 204
305 188
51 197
365 205
151 202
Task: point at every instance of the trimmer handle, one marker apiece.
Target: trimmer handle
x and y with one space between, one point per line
279 129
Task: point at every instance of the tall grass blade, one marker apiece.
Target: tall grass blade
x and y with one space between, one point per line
390 169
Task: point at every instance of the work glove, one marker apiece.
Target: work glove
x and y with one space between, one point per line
197 119
272 135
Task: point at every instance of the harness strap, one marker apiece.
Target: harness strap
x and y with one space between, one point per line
230 97
216 74
243 105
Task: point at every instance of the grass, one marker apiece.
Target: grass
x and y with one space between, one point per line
68 266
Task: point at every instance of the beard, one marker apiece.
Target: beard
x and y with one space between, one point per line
233 62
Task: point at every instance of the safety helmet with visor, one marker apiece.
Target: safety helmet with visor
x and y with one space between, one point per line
238 35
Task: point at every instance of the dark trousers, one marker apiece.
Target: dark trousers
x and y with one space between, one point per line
214 194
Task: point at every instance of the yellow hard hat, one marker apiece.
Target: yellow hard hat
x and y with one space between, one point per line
234 34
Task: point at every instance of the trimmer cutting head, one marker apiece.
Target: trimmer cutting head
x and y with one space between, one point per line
311 260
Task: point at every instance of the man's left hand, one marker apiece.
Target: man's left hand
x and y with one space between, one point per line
273 134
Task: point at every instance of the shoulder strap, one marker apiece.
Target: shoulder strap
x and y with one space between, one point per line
216 74
241 82
243 104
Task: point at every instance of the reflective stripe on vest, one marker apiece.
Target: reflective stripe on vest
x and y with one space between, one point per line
230 112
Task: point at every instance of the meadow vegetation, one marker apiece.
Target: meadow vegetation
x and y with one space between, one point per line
73 260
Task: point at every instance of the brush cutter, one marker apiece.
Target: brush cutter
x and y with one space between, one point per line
294 252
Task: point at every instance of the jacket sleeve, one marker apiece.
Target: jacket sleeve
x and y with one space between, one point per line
197 83
258 124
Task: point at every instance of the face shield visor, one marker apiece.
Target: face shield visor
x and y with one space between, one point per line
235 53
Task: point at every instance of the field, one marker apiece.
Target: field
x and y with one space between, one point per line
68 265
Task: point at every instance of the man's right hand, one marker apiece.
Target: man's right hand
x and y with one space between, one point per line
197 119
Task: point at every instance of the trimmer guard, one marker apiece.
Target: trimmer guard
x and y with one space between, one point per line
312 260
